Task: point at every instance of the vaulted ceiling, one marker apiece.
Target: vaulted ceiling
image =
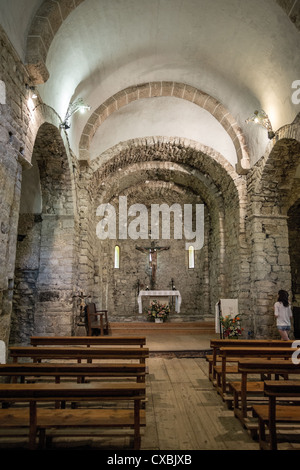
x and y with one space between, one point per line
178 68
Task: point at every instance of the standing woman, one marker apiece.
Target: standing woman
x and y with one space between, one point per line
283 314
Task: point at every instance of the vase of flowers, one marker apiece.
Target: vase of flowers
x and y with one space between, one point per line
231 327
157 311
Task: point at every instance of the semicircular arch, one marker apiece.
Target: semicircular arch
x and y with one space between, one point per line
274 173
170 89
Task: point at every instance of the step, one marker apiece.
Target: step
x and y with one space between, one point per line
177 327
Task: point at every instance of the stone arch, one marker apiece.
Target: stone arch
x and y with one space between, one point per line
183 166
44 116
44 26
274 173
273 189
198 157
173 89
47 246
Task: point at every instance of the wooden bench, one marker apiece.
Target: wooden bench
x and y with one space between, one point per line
88 341
216 344
241 390
273 414
32 371
78 353
237 353
38 419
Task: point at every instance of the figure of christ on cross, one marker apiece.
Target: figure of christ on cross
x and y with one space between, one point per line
152 250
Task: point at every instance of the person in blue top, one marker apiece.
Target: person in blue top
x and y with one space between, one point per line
283 314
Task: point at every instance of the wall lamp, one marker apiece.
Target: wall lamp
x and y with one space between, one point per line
261 117
77 105
32 89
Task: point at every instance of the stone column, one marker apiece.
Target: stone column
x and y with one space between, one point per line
54 308
10 189
270 269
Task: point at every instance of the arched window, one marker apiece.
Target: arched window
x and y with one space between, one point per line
117 257
191 257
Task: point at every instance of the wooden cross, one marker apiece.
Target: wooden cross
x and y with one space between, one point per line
152 250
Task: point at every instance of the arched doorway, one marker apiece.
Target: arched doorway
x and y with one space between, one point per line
46 250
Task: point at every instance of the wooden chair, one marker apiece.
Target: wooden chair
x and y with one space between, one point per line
97 320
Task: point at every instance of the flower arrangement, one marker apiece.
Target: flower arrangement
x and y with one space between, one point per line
231 326
157 310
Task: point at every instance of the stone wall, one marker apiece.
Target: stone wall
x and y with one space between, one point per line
13 142
117 289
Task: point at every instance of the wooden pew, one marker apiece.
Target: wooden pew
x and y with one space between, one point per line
88 341
33 371
78 353
241 390
274 414
216 344
239 353
40 418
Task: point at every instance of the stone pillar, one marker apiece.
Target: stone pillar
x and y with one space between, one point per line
10 188
54 307
270 269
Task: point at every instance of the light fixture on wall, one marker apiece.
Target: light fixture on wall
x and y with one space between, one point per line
77 105
261 117
31 97
32 89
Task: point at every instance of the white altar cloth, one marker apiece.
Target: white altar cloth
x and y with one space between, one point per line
160 293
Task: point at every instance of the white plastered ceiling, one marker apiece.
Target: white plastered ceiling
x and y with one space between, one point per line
243 53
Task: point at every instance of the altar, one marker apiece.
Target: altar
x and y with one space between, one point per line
161 294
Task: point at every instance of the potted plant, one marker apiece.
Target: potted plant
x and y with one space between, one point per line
231 327
157 311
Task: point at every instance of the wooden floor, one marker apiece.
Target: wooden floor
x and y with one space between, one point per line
183 409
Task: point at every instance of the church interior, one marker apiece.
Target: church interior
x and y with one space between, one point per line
150 150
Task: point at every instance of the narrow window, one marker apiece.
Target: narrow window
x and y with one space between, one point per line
117 257
191 257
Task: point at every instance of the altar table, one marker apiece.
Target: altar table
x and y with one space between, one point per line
160 293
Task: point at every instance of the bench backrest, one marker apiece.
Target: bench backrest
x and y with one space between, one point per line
87 340
220 343
282 388
257 352
261 365
78 353
71 391
73 370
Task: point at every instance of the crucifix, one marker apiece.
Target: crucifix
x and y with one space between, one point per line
152 250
